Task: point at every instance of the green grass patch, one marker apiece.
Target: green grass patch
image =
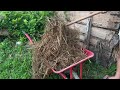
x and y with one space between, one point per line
96 71
15 61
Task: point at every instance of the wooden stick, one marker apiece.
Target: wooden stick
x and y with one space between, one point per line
82 18
89 27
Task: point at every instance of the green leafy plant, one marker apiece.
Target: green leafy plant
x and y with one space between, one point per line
32 22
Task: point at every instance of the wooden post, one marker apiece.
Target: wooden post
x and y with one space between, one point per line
89 27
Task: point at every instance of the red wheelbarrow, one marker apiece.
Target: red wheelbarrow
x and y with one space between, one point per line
72 73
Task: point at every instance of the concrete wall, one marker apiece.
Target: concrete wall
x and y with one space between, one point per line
103 32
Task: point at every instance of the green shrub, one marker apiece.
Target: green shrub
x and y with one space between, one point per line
32 22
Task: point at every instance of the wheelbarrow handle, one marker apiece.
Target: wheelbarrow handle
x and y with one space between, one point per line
85 17
28 37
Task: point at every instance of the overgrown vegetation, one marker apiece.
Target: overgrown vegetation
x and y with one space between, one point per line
15 60
31 22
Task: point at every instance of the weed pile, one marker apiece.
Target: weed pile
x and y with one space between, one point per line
57 49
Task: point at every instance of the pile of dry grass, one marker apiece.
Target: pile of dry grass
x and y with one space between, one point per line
57 49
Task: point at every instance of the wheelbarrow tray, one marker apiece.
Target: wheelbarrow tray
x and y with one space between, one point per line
87 52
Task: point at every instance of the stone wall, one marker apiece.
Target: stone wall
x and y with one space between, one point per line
104 32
